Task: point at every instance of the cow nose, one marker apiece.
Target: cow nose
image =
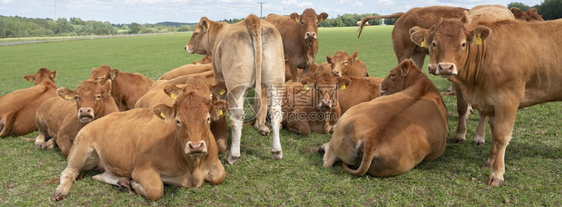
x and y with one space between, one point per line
431 69
86 115
446 68
186 48
326 103
196 147
310 35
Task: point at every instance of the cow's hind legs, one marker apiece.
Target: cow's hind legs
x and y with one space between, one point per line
276 116
109 178
479 138
80 158
236 100
148 183
7 124
329 156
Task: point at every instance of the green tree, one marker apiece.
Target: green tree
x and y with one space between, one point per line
519 5
550 9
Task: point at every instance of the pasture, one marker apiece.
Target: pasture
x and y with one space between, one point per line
533 158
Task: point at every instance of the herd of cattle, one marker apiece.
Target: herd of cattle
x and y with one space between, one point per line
498 61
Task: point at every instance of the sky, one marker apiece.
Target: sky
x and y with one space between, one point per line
190 11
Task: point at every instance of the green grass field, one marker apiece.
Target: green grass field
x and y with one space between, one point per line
533 158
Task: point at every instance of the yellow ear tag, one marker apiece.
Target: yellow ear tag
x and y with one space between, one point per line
173 96
222 92
306 87
357 58
478 40
423 44
67 97
343 87
52 76
30 80
162 115
296 20
220 113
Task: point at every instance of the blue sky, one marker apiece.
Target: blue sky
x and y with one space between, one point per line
154 11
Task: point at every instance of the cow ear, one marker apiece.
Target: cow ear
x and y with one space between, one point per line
29 78
164 112
306 82
355 56
480 33
343 82
465 18
218 110
295 17
405 67
172 91
204 23
53 74
323 16
114 73
516 12
418 35
67 94
106 88
219 90
329 59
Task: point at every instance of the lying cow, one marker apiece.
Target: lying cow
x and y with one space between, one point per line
495 72
348 65
126 88
299 34
186 70
176 147
60 118
312 104
245 54
358 91
205 60
391 134
18 108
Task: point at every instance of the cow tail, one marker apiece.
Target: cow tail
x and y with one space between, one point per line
369 150
254 28
367 18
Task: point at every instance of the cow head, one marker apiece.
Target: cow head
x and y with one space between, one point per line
326 86
199 85
448 43
530 15
200 41
342 62
42 74
104 73
90 97
309 21
398 78
193 113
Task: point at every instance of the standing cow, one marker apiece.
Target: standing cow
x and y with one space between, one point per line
246 54
495 72
300 42
18 108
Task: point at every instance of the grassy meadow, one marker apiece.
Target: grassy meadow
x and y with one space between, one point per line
533 158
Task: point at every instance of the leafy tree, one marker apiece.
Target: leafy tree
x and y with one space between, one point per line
550 9
519 5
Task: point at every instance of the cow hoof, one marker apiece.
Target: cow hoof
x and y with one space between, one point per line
487 165
277 155
477 144
232 160
57 196
124 184
458 141
264 130
495 182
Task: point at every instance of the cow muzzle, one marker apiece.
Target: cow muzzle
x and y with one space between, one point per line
325 104
188 50
381 90
195 148
310 35
446 69
86 115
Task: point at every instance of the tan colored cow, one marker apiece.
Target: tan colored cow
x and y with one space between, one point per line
187 70
126 88
299 34
391 134
18 108
529 15
499 67
246 54
205 60
358 91
156 96
312 104
348 65
152 147
60 118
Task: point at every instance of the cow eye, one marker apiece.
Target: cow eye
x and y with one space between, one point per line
178 122
302 22
195 33
208 120
463 45
98 97
433 44
345 63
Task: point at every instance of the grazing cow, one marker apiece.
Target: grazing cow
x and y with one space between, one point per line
530 15
312 104
150 147
391 134
18 108
126 88
348 65
300 42
205 60
59 119
358 91
245 54
186 70
495 72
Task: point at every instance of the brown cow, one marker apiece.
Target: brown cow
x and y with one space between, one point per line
205 60
312 105
156 96
530 15
152 147
348 65
126 88
18 108
358 91
311 71
391 134
300 43
495 72
245 54
186 70
59 119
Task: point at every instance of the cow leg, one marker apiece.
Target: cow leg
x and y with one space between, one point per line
219 129
147 182
80 158
293 70
418 58
235 99
7 124
109 178
216 174
300 127
63 141
330 156
493 150
276 115
479 139
504 121
462 109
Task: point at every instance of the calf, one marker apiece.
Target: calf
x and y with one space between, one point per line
358 91
126 88
18 108
152 147
391 134
59 119
348 65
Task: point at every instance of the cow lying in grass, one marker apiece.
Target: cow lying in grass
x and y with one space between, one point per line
171 145
391 134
